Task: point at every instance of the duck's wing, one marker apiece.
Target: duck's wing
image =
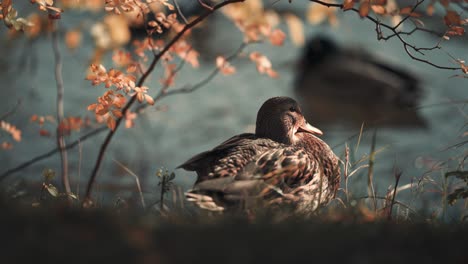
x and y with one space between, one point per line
274 173
229 158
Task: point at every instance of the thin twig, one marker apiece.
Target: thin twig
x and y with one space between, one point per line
380 36
180 11
142 80
60 112
398 174
370 172
12 111
80 159
137 181
205 5
409 15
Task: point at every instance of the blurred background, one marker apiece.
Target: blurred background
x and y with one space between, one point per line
181 126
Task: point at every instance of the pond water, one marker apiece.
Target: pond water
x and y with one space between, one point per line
224 107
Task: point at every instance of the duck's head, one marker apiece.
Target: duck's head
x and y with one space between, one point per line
281 119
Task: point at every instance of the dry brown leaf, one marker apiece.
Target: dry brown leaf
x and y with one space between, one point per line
73 39
378 9
348 4
364 8
452 18
296 29
277 37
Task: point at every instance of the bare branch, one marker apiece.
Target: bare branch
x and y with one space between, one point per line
60 112
409 15
393 29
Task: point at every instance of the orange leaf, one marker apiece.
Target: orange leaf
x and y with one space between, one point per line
111 123
44 133
6 7
406 10
277 37
452 18
378 9
117 113
7 145
430 10
90 108
456 31
364 8
224 66
73 39
348 4
296 29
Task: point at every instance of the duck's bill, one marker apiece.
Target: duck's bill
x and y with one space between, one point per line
307 128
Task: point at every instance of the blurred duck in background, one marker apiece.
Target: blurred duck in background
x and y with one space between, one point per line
351 86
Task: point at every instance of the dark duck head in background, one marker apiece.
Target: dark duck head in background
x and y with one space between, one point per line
352 86
283 163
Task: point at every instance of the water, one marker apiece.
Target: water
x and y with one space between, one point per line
226 106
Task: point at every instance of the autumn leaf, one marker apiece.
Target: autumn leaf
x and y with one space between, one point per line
129 119
430 9
162 2
263 64
456 31
11 129
364 8
185 51
73 39
348 4
44 133
296 29
408 11
141 95
169 75
378 9
318 13
224 66
452 18
7 145
111 123
11 20
277 37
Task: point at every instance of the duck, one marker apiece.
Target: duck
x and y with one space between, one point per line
350 86
283 164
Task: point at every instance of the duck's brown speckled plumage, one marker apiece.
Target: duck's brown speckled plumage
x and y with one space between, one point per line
302 171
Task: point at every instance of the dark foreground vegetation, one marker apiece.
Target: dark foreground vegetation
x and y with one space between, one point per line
64 235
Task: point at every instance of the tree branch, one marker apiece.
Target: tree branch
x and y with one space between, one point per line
60 112
97 131
51 153
393 29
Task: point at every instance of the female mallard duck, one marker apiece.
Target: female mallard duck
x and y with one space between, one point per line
282 163
351 85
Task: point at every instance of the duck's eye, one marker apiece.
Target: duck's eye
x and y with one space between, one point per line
292 109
